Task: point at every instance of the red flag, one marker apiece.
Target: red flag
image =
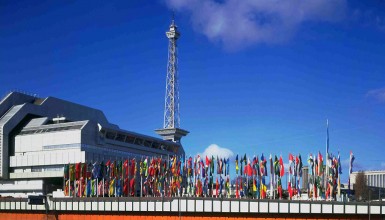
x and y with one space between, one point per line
132 186
281 167
290 190
77 170
125 187
125 167
132 167
207 161
291 158
248 170
216 187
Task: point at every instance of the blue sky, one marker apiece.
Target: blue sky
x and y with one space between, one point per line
255 76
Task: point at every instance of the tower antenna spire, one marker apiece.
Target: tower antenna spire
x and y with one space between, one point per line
171 125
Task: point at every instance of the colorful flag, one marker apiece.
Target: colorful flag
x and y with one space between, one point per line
320 164
112 188
72 172
93 187
112 170
95 170
281 167
228 166
77 170
89 188
351 162
66 171
276 166
119 168
100 188
108 169
125 167
236 165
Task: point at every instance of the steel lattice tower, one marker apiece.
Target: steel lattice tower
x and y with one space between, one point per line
171 126
171 107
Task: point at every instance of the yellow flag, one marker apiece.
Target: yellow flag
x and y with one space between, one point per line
112 187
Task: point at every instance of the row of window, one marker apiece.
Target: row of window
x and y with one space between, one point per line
45 130
376 180
116 136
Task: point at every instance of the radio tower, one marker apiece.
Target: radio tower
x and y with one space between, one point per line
171 127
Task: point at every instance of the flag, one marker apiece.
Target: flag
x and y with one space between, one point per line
320 164
89 189
291 160
299 165
77 170
118 187
263 166
132 186
216 187
207 161
212 165
125 167
225 165
339 164
112 188
100 188
228 166
311 164
125 186
66 188
72 172
220 184
279 188
248 170
351 162
271 165
133 168
95 170
276 166
119 168
93 186
218 165
112 170
257 167
236 165
66 171
108 164
281 167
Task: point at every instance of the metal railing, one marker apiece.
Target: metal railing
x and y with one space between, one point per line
196 205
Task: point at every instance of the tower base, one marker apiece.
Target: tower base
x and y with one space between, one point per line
172 134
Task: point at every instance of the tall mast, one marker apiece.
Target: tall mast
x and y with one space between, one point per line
171 126
171 108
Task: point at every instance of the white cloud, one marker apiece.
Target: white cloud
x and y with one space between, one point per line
239 23
215 150
378 94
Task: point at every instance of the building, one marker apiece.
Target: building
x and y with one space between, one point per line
35 143
375 178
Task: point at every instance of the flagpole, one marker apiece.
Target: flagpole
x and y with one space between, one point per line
327 155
